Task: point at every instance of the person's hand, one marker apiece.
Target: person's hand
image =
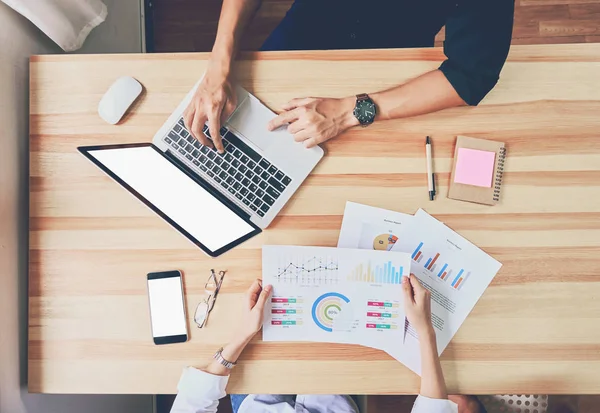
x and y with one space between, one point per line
252 313
417 304
215 101
250 324
315 120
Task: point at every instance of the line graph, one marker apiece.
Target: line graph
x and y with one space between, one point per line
316 270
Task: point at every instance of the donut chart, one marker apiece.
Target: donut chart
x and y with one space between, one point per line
327 308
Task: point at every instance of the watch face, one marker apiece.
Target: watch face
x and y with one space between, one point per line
365 111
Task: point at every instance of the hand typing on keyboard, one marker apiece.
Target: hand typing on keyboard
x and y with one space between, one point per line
214 101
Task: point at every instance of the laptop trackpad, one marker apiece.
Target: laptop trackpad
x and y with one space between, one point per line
251 119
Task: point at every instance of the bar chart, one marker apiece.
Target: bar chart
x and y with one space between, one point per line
417 256
381 274
431 263
444 273
460 280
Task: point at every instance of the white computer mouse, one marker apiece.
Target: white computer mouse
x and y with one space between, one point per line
118 98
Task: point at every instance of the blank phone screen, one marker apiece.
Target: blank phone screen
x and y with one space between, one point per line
166 307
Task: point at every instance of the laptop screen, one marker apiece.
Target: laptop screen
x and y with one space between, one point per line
174 194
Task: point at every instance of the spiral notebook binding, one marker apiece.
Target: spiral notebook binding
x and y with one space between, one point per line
499 174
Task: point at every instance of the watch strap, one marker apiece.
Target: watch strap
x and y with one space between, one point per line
221 360
361 97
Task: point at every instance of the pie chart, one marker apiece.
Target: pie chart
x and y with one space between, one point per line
384 242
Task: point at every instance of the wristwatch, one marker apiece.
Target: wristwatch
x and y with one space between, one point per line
219 357
365 109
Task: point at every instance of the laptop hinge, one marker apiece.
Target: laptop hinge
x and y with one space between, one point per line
202 182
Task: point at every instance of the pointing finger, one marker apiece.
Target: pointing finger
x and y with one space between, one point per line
214 125
284 118
294 103
188 117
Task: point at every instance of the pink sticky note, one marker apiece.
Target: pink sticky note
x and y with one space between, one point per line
474 167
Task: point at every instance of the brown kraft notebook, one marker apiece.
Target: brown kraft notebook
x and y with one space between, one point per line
477 170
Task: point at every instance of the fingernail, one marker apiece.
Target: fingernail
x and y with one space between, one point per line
268 288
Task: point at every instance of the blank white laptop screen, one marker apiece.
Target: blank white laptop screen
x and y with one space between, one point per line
175 194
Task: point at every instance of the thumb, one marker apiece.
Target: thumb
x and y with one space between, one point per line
419 291
416 284
407 290
263 297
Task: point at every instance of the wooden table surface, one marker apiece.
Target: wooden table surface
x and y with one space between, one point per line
535 330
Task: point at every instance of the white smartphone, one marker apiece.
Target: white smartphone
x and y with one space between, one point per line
167 309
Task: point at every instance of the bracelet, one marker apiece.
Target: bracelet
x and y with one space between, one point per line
221 360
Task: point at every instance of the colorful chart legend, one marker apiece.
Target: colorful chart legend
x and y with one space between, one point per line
385 274
286 300
287 311
383 315
382 304
285 322
382 326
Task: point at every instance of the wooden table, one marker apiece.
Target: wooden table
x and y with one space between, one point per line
535 330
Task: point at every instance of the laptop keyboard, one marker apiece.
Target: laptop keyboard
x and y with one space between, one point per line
249 177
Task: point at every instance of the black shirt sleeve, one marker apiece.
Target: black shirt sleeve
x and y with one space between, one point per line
478 36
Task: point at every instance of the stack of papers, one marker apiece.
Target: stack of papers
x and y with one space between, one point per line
353 294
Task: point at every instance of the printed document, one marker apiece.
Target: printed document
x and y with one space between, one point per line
334 295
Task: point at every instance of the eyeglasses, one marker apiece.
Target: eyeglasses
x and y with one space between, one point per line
211 288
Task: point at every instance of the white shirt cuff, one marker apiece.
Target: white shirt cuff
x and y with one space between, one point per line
202 384
426 405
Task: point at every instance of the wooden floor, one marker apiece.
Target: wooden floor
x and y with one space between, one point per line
190 25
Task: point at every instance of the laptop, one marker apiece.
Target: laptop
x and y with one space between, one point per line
215 200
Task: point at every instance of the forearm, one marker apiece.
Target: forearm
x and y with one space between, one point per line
427 93
235 15
432 377
231 352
